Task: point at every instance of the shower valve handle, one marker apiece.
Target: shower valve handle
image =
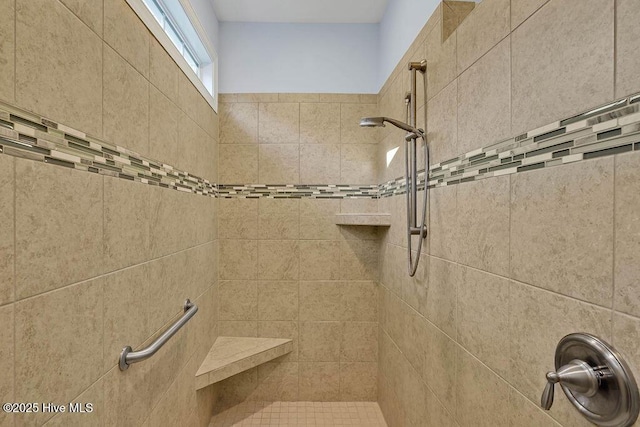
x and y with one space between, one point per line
576 375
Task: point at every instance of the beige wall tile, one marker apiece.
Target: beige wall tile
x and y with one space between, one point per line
440 366
127 398
483 318
319 381
574 43
6 361
484 100
278 259
538 320
627 234
238 164
126 313
238 123
359 342
46 328
90 12
126 33
126 223
360 301
320 341
257 97
277 381
239 259
65 238
485 26
625 339
188 96
627 36
281 329
320 123
321 300
7 50
7 236
358 163
480 394
523 9
279 164
525 413
277 300
126 104
163 71
298 97
278 219
93 395
444 280
238 328
319 164
238 300
319 260
441 61
563 220
166 289
442 134
163 128
443 219
238 219
359 260
166 230
350 130
191 141
279 123
49 37
483 214
358 381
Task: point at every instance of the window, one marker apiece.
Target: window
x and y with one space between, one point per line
176 27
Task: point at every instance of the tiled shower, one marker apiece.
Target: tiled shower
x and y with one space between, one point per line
123 193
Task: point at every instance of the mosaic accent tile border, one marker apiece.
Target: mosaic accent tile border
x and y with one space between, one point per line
611 129
28 136
298 191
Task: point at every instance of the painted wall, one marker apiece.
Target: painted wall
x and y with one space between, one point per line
400 25
300 58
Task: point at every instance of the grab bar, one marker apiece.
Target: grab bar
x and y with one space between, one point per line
128 356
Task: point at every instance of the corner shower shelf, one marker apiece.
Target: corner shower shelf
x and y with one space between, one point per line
371 219
231 355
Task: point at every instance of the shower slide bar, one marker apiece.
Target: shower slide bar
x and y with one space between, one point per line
128 356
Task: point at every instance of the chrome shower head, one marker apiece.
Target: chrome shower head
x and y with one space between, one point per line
371 122
379 121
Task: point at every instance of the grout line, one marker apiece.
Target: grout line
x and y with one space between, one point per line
613 234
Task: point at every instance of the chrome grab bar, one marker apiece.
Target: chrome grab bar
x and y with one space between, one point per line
128 356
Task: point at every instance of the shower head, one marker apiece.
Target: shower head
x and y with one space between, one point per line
370 122
379 121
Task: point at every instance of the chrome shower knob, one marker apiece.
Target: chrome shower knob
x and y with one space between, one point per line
595 379
576 375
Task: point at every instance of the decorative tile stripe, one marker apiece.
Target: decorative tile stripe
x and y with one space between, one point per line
611 129
28 136
291 191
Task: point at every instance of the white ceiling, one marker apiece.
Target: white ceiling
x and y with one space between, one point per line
301 11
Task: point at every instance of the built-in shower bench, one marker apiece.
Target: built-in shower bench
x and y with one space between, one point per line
231 355
371 219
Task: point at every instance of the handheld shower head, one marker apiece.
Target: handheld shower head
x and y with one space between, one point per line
379 121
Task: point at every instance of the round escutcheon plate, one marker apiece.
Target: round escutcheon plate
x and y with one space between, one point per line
616 403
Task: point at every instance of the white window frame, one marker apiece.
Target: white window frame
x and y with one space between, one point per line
209 71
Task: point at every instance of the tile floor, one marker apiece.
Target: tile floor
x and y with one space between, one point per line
301 414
